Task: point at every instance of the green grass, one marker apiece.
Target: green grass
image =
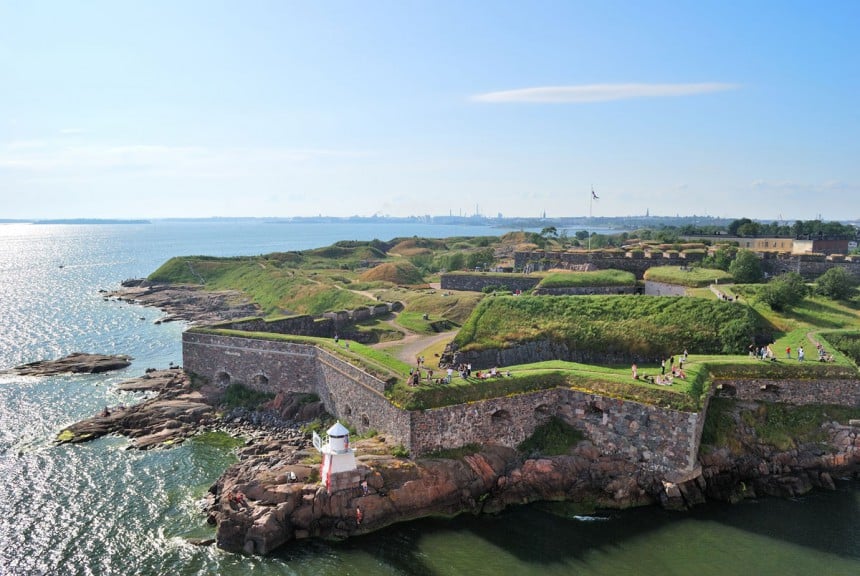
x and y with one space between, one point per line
584 279
415 321
693 277
630 325
454 453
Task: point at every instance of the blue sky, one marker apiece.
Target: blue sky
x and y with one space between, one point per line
186 108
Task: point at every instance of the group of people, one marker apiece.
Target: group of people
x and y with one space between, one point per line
675 371
766 353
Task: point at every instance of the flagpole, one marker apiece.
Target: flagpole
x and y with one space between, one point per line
590 204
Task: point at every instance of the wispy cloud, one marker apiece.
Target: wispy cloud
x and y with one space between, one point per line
587 93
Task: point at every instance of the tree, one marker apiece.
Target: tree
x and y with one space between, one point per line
784 291
746 268
836 283
549 232
582 235
483 258
720 259
736 224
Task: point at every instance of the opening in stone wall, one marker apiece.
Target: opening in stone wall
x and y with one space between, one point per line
365 421
500 417
543 411
222 379
260 380
347 410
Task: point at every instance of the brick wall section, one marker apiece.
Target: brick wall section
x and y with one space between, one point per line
799 392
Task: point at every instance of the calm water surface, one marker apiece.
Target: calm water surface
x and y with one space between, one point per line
101 509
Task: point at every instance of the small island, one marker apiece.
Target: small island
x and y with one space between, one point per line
529 369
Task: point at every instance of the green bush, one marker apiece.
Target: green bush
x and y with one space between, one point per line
238 395
554 438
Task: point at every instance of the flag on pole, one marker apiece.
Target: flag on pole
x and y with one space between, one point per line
594 195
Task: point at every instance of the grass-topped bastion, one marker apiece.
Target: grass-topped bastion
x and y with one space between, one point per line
543 347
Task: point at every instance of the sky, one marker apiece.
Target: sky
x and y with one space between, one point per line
121 109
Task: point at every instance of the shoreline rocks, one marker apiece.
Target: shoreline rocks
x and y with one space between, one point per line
272 495
186 303
74 363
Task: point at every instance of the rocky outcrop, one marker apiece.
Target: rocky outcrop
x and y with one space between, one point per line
175 414
186 302
267 499
762 470
74 363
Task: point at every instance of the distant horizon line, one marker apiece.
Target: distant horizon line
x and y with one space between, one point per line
423 219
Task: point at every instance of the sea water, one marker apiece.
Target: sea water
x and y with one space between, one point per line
99 508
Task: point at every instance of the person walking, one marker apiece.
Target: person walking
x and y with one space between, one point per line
800 354
788 352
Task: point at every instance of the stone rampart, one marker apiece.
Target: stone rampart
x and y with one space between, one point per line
478 282
661 439
657 438
264 365
324 326
541 351
798 392
637 263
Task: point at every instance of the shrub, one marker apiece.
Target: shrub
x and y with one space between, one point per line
553 438
238 395
836 283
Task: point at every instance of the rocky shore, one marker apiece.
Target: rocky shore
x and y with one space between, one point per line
74 363
273 494
270 498
187 303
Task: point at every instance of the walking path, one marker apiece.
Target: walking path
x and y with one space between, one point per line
412 343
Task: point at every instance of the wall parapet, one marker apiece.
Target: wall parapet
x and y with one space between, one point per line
843 392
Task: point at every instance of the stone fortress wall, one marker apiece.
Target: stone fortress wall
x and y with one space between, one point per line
809 266
326 325
657 438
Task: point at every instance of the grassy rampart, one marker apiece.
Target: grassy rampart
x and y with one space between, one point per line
693 277
632 325
585 279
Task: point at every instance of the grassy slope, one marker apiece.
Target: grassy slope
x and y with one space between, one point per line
649 327
583 279
690 277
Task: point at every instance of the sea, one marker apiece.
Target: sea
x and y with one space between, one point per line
101 509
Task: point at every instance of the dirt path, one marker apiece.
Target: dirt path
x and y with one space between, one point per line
408 348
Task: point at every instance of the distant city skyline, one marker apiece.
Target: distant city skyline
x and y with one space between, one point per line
280 108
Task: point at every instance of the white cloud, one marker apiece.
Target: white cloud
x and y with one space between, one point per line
600 92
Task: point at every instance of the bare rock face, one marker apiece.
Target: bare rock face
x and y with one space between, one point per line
75 363
175 414
187 303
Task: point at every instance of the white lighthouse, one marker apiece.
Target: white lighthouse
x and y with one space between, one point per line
337 456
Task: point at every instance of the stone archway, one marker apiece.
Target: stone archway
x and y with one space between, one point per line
222 379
